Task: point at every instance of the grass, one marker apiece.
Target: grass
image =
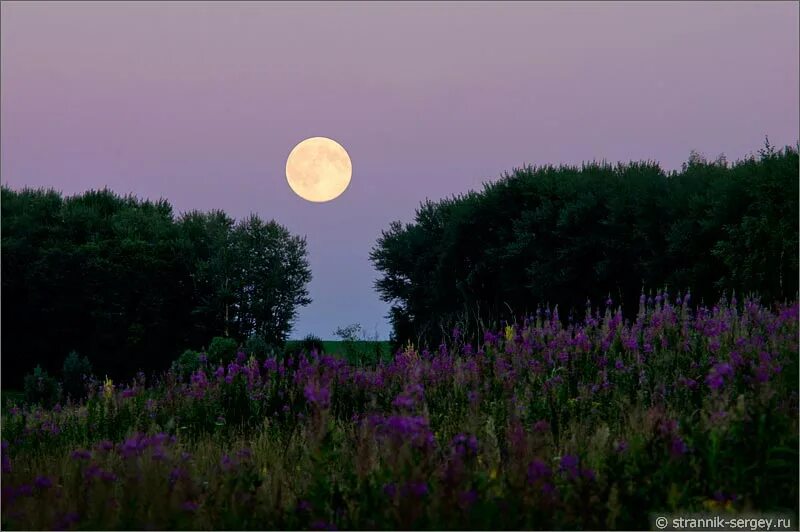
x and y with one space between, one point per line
592 426
354 351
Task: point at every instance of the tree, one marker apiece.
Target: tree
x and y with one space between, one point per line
271 278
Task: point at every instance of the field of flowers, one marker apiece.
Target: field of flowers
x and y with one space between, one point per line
589 425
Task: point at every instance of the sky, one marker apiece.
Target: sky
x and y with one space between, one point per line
201 103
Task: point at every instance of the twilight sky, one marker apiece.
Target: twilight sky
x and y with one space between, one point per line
201 103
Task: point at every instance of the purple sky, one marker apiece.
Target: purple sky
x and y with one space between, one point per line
201 103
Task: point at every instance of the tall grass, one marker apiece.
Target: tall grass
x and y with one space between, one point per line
593 425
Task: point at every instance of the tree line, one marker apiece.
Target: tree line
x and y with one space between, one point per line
129 284
542 236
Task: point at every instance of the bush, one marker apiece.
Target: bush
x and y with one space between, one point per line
41 388
312 343
258 347
222 350
76 369
187 363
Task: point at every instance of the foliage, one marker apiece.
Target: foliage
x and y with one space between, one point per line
258 347
41 388
546 234
593 425
222 350
312 343
74 373
130 285
186 364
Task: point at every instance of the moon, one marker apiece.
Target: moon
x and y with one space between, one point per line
318 169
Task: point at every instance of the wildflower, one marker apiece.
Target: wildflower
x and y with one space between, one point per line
104 446
318 395
719 372
128 392
244 453
538 470
417 489
569 464
270 365
677 447
43 482
108 388
80 454
621 446
410 397
190 506
465 445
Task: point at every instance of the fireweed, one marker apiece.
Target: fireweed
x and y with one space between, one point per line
592 425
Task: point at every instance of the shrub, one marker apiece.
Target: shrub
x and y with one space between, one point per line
258 347
75 370
222 350
41 388
187 363
312 343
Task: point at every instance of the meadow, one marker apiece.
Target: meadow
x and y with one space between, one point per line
589 424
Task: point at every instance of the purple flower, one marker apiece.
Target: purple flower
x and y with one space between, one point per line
244 453
621 446
390 489
569 464
464 445
538 470
43 482
716 377
80 454
677 447
128 392
270 365
318 395
417 489
412 396
190 506
133 446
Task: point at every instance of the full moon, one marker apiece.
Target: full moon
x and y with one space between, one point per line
318 169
